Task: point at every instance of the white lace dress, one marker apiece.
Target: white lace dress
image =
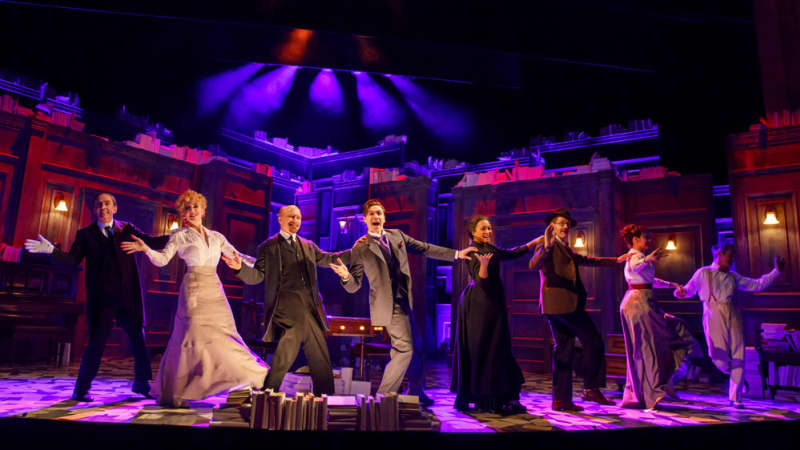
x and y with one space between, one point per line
205 354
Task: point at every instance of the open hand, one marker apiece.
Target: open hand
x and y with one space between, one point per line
234 263
40 246
361 241
340 269
137 245
484 259
679 289
549 239
464 253
656 254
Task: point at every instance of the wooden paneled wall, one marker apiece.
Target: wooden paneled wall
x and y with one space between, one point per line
40 162
765 174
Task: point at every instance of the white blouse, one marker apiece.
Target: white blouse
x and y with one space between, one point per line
192 248
638 271
723 284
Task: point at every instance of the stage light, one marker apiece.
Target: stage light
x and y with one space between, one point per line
59 202
771 217
326 93
379 110
361 328
357 72
671 245
580 240
342 327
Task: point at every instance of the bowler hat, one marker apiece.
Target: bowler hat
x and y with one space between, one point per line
561 212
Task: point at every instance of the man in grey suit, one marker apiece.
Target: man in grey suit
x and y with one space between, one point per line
293 310
383 255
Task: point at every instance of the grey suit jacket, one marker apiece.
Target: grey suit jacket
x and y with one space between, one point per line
561 288
268 269
368 258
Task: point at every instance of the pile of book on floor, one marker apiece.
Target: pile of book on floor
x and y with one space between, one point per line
234 411
392 412
276 411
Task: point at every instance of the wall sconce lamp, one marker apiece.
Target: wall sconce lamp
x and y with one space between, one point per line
173 222
580 240
60 202
771 217
342 224
671 243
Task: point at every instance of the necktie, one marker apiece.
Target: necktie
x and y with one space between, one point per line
384 241
109 234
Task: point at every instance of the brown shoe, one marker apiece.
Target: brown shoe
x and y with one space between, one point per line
594 395
565 406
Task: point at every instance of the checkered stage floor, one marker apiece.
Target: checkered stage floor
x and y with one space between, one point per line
44 392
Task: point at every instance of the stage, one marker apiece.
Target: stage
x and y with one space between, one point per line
42 392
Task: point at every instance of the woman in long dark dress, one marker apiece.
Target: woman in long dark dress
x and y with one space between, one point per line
484 371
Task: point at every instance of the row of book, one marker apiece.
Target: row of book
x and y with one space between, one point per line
276 411
389 412
775 337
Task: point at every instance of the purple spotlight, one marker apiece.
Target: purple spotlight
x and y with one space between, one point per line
213 92
379 111
326 93
262 97
441 118
357 72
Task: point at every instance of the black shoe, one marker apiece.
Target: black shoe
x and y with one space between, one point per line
424 400
142 388
85 397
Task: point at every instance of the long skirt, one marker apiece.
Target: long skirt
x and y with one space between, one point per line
655 343
205 354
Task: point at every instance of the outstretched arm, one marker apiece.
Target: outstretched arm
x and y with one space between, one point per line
246 273
434 251
158 258
154 242
352 281
691 288
758 284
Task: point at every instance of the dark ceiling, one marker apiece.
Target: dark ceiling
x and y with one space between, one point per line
542 69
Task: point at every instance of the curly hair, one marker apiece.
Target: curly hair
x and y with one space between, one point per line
631 231
473 223
370 203
190 197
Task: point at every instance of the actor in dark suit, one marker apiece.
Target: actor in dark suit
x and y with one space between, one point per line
563 300
112 290
293 310
383 256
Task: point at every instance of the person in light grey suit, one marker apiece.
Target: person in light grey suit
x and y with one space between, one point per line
383 256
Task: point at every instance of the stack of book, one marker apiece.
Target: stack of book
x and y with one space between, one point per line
773 337
294 383
277 411
412 418
233 412
343 413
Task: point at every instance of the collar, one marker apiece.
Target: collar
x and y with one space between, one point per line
633 250
287 235
562 242
715 267
102 224
377 235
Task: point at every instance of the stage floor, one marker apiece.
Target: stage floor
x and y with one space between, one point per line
43 392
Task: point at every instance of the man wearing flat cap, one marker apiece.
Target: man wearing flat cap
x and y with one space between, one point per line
563 301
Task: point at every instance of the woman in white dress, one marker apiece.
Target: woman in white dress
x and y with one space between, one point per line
655 342
205 354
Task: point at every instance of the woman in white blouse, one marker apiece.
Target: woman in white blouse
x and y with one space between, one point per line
205 354
655 342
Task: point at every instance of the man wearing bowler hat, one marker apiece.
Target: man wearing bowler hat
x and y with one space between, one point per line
563 301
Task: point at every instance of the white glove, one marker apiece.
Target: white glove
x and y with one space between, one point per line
40 246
